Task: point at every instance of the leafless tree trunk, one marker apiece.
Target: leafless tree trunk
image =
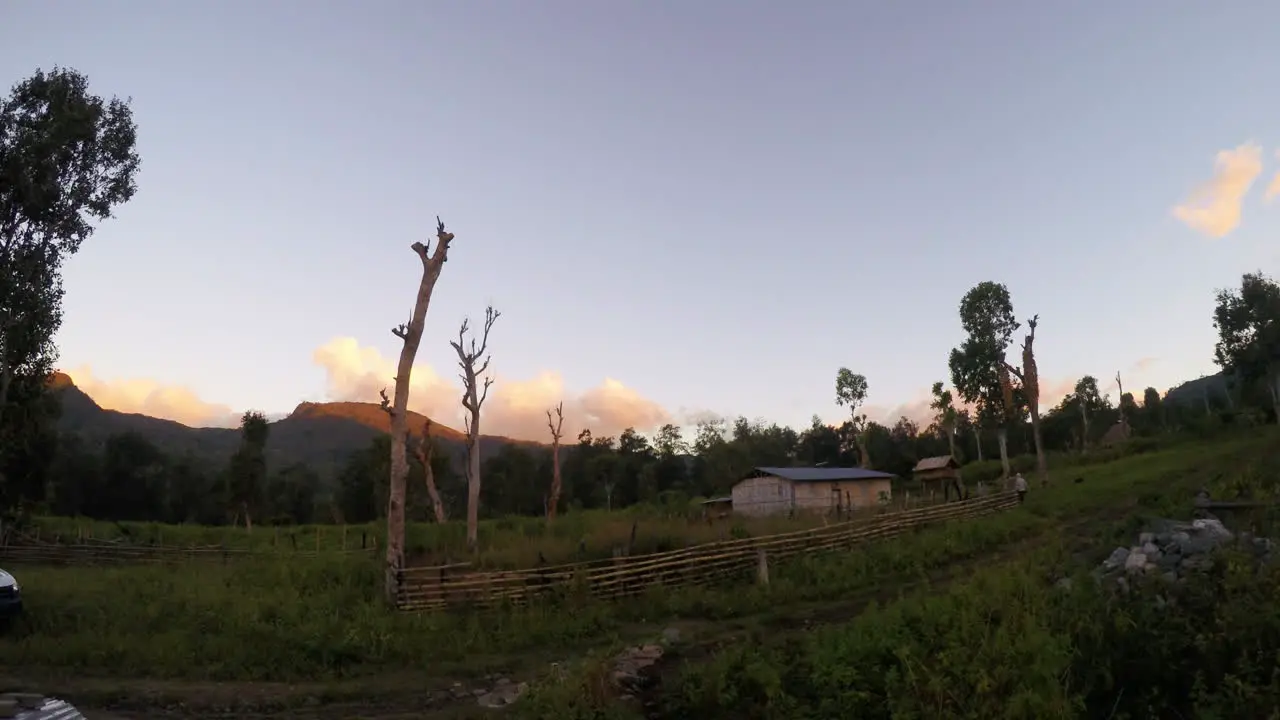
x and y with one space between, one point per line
1029 376
1124 421
411 334
1084 426
426 450
555 427
473 398
977 439
951 440
1002 437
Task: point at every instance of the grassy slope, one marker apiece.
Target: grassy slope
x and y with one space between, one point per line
321 620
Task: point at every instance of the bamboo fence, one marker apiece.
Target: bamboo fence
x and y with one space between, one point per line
433 588
24 550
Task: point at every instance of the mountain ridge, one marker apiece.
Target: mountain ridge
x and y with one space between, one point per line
322 435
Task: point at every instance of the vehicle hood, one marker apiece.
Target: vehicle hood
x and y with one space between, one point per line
6 579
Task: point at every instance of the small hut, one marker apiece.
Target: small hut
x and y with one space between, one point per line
1115 435
939 472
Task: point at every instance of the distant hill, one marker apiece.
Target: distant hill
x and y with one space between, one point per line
321 435
1193 391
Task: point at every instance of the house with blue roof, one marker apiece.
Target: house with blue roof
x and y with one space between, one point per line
775 490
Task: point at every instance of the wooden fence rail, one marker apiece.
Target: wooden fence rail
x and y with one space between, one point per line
100 553
431 588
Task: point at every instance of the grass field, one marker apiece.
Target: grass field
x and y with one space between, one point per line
513 542
319 622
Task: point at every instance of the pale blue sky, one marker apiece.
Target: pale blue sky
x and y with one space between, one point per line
716 202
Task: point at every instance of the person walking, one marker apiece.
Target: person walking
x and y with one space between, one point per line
1020 486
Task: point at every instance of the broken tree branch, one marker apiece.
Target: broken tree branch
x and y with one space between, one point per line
425 452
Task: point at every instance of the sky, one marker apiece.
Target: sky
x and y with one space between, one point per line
681 208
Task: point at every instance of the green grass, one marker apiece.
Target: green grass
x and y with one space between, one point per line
510 542
314 618
1009 643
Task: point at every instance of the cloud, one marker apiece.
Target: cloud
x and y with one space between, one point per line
916 409
1213 208
514 408
1273 188
148 397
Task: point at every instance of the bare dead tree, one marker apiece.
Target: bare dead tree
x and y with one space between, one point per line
424 451
411 335
555 427
1029 376
473 397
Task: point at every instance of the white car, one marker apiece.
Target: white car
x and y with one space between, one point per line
10 595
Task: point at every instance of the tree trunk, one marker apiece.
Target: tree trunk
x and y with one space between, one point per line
473 481
1084 427
1042 464
411 334
1275 395
951 441
1002 437
6 377
865 457
556 429
426 453
555 480
977 439
248 522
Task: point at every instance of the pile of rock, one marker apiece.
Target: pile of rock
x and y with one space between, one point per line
1172 549
634 668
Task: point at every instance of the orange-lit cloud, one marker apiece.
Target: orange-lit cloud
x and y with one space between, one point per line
514 408
148 397
1273 188
1213 208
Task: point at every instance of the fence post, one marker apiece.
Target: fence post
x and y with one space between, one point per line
762 567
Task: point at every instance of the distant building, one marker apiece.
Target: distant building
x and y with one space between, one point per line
938 473
774 490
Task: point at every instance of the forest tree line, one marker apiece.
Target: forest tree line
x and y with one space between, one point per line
130 478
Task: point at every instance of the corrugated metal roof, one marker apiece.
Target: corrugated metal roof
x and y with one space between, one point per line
932 463
820 474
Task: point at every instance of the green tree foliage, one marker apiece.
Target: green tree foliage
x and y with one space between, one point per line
986 315
67 159
247 472
1248 323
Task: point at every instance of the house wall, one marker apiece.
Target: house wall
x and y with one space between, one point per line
936 475
821 496
771 494
763 496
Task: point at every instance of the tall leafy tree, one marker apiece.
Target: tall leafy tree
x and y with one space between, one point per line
1248 323
247 474
945 415
851 390
978 367
67 159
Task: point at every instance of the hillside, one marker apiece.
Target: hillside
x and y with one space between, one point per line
321 435
1194 391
